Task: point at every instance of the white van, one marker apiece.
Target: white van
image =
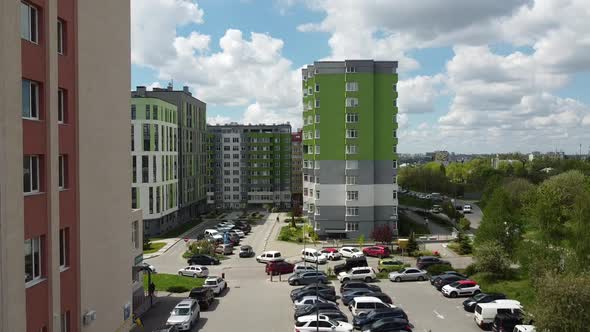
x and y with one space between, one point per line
269 256
312 255
211 232
486 312
524 328
366 304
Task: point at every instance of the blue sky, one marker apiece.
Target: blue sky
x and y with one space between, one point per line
495 79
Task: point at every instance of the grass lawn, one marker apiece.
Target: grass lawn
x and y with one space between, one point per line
407 226
176 232
154 246
173 283
291 234
415 202
519 288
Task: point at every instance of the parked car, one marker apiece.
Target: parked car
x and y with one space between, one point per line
238 232
204 295
185 314
408 273
350 263
467 208
363 320
311 324
166 328
224 249
246 251
269 256
485 313
312 308
383 297
200 259
350 252
349 295
358 285
436 209
321 292
524 328
435 277
216 283
389 325
311 299
425 262
446 280
334 314
280 267
313 255
377 251
304 291
302 267
313 286
365 273
390 265
470 303
505 322
331 253
461 288
308 278
195 271
366 304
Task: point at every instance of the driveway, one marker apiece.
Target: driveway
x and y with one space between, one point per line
475 216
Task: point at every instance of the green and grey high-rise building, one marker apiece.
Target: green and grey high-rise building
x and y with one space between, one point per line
350 146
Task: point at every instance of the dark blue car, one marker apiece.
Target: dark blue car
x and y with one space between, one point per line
364 320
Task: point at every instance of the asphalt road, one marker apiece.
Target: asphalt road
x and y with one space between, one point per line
475 216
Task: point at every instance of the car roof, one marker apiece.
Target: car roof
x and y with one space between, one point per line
427 257
271 252
348 247
212 278
185 303
309 318
360 267
509 304
364 299
462 282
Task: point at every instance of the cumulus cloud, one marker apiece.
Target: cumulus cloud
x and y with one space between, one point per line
418 94
218 119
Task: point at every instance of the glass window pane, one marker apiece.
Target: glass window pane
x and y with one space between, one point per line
36 258
28 260
33 19
27 174
35 173
34 98
26 98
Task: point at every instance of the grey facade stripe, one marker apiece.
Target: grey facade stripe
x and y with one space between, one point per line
333 218
369 172
361 66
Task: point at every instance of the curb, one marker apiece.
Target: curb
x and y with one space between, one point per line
180 237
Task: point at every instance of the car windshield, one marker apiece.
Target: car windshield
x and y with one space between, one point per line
401 271
181 311
479 296
455 284
210 282
333 322
354 250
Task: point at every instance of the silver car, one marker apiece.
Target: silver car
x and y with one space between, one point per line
410 273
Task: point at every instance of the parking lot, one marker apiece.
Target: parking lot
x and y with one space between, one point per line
255 303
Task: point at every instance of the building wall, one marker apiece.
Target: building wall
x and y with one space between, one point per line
162 176
296 172
105 162
331 141
12 299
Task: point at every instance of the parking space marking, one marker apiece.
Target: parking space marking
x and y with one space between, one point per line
438 315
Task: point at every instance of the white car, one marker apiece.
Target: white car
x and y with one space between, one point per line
467 208
331 253
150 267
269 256
307 323
312 299
238 232
461 288
217 283
195 271
365 273
303 268
350 252
185 315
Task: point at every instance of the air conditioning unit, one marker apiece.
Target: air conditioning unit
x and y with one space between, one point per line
89 317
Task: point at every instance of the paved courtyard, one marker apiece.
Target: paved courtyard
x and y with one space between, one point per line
254 303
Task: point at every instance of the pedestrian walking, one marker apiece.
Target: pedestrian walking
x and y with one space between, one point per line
151 289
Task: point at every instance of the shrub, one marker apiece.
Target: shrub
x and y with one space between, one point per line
471 269
421 253
412 244
464 224
492 258
439 268
177 289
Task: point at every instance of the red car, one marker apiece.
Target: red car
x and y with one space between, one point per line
377 251
277 268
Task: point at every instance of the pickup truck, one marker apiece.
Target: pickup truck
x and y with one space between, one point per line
203 295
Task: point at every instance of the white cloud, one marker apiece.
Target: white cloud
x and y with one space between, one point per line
218 119
418 94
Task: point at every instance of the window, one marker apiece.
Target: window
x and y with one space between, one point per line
394 133
146 137
395 164
317 133
32 259
31 174
226 140
157 199
352 195
317 149
61 105
155 112
154 173
393 86
236 140
63 171
352 211
394 149
317 103
350 69
151 199
353 226
135 234
317 166
147 112
29 22
145 169
352 117
61 34
352 133
317 194
65 322
351 149
394 195
30 102
394 179
352 86
134 197
317 118
352 164
351 179
352 102
133 112
317 88
134 170
64 248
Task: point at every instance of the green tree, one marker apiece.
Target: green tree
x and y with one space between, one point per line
361 240
492 258
465 246
464 224
562 302
412 244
